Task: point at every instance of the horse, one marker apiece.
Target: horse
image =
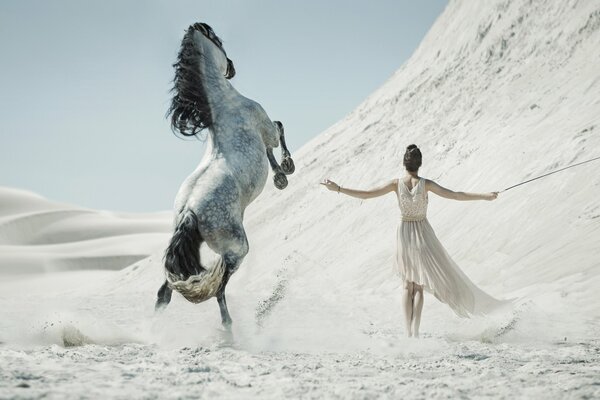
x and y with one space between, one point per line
210 204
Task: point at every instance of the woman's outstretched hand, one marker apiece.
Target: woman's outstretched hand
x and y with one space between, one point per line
331 185
490 196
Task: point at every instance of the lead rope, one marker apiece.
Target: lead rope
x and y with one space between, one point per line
549 173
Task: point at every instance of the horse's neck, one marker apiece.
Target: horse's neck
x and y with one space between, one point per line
219 92
226 105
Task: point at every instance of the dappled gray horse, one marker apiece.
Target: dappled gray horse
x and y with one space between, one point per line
209 207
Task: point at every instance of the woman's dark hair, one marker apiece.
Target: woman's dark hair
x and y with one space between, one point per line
412 158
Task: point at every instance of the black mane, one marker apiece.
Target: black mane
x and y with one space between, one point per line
189 110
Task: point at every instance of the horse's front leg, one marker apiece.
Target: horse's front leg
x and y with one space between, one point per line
287 164
279 179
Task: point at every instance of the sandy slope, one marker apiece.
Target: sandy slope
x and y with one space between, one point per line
498 92
494 95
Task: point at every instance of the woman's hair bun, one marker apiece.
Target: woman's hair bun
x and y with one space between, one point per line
412 158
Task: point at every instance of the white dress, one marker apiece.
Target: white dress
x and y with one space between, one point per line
422 259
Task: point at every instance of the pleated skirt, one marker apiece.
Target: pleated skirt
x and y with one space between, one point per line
422 259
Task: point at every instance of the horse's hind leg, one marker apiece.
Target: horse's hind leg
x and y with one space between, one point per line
232 244
225 317
164 297
231 264
232 260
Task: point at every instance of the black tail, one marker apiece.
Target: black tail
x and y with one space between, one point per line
182 257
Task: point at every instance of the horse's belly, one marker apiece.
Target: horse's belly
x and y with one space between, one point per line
223 186
252 185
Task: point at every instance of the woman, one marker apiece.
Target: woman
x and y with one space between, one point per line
422 261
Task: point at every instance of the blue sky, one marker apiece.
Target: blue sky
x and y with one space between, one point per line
85 85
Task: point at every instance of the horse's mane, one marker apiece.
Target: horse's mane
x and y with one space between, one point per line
189 110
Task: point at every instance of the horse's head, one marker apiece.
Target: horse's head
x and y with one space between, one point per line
200 53
206 39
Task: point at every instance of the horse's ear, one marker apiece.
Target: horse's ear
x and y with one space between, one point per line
230 69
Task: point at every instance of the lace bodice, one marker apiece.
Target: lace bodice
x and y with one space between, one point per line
413 203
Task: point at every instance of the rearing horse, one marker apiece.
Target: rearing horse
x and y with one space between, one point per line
209 207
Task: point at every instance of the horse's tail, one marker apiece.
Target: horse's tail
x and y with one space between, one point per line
182 257
182 262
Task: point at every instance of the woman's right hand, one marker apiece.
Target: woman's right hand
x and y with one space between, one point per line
490 196
331 185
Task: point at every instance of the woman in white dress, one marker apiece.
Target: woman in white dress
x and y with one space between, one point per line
422 261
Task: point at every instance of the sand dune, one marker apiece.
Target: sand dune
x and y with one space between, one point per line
37 235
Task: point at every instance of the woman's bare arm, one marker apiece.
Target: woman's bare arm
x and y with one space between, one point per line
461 196
362 194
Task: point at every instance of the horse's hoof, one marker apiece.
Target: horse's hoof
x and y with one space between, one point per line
280 181
287 165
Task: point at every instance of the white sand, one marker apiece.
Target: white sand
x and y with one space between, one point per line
497 93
